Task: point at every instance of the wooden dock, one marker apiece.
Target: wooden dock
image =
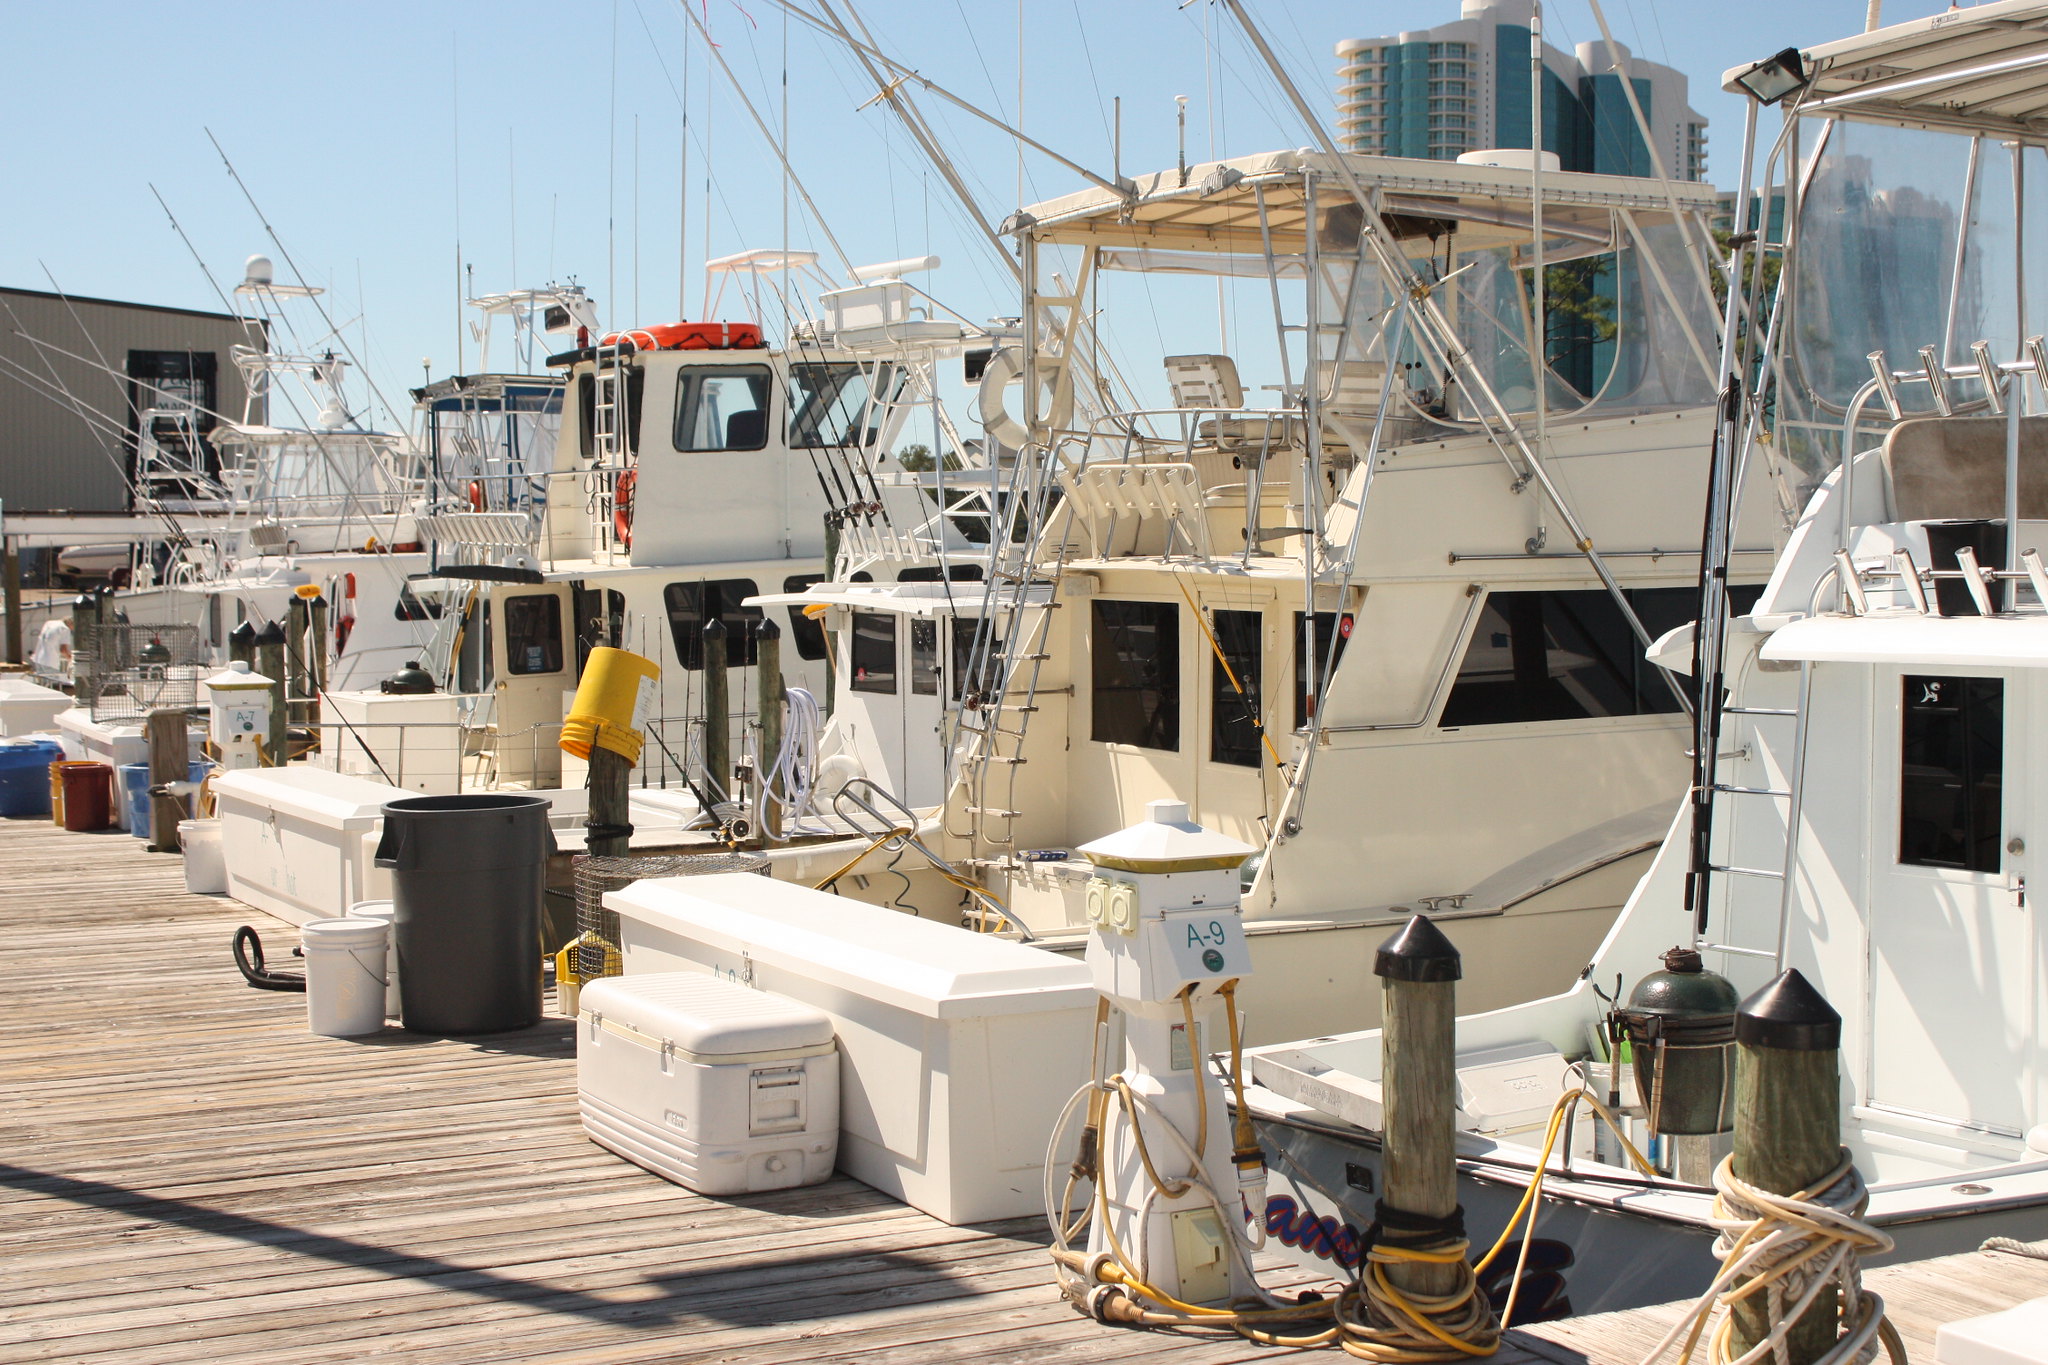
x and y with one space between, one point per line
186 1175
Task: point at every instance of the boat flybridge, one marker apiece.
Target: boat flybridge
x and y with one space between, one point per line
294 490
695 468
1872 799
1389 630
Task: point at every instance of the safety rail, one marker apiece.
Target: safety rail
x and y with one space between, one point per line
896 829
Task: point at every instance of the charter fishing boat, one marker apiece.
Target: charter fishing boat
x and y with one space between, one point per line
1389 631
1865 809
696 466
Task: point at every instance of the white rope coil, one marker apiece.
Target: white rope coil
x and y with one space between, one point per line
1790 1249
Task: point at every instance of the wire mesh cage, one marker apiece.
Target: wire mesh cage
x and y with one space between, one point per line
124 670
597 929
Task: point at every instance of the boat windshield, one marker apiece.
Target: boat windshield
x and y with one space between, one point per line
1906 238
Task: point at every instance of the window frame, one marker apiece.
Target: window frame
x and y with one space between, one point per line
1230 712
1160 720
738 619
1983 848
689 393
513 605
874 684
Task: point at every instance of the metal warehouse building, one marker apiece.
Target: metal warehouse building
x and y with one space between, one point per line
83 381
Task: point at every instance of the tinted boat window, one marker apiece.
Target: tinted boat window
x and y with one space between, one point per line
1136 674
874 652
1952 767
1234 709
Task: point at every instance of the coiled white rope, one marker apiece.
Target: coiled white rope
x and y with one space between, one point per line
792 777
1790 1248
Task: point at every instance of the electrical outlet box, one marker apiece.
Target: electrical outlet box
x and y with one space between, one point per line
1200 1256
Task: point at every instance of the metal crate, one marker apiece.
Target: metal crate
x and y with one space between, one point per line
125 670
597 929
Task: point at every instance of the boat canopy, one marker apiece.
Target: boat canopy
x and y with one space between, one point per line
1982 70
1218 206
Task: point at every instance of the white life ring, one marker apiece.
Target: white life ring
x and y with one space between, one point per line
1005 368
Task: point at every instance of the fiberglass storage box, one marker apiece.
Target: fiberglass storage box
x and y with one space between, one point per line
714 1086
293 839
957 1049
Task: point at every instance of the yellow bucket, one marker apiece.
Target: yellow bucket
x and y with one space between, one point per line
614 700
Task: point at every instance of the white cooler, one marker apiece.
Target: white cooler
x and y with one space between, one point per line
715 1086
957 1049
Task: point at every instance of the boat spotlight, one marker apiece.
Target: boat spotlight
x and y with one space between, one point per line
1773 78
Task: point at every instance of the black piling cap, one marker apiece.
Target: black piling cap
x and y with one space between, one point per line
1789 1014
271 634
1419 952
244 634
714 629
765 629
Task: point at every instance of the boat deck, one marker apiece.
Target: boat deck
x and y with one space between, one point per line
187 1175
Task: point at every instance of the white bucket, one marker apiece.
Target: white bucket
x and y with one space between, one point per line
382 910
344 976
206 865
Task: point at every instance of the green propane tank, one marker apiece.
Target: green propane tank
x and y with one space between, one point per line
1680 1022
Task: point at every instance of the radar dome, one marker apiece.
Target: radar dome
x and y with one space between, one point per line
259 270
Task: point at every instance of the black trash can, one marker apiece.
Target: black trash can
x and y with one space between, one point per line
467 877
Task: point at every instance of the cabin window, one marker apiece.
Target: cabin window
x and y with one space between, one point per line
627 416
1234 692
412 607
828 403
722 407
1951 771
690 605
806 633
924 656
965 678
874 652
1538 656
1136 674
1331 633
929 573
533 633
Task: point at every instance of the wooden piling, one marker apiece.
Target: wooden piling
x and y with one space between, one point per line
169 761
717 715
10 590
1788 1130
297 679
242 644
608 831
1419 969
270 663
768 708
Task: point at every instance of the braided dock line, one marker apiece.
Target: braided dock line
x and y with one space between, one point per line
1789 1248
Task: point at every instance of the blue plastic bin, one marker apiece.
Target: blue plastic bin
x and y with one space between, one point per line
25 775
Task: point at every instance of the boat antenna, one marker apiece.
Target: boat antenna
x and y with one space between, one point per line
774 143
293 265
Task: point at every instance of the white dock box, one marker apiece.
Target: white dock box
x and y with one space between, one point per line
412 739
29 708
714 1086
293 839
956 1049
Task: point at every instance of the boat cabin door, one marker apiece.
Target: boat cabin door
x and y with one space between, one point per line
894 703
534 666
1951 907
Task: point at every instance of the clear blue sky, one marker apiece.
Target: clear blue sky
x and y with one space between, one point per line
371 132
